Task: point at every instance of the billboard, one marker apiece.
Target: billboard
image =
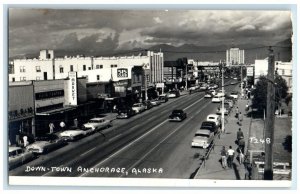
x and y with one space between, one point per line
250 71
72 88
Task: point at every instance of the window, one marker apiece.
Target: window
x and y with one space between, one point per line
99 66
283 72
71 68
22 69
38 69
84 67
90 68
98 77
38 78
61 69
112 66
22 78
13 79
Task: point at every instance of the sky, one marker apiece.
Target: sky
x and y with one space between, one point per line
97 31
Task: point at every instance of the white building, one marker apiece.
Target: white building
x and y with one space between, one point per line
284 69
47 67
235 56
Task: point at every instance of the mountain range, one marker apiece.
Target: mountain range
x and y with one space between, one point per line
282 52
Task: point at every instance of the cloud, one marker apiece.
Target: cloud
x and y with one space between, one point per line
157 20
246 27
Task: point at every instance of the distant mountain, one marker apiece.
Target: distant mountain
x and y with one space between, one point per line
282 51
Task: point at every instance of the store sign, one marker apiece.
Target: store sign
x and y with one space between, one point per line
72 88
250 71
122 72
160 85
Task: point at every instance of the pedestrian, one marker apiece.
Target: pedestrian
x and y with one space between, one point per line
239 134
242 143
240 118
51 127
25 141
236 112
75 122
230 153
62 125
224 157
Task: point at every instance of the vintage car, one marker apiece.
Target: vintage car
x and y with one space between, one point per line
125 113
177 115
215 118
216 99
173 94
18 156
208 95
155 102
210 125
97 124
46 143
73 134
203 138
234 94
163 98
138 108
220 110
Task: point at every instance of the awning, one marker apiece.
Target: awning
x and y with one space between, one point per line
56 111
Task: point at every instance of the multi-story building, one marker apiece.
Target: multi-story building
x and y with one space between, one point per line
47 67
283 69
235 56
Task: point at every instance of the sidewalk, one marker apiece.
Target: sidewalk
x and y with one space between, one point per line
212 169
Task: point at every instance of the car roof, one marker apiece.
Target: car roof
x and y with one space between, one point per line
203 131
212 115
97 119
13 148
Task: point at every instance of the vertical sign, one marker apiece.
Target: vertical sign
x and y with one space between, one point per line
72 88
250 71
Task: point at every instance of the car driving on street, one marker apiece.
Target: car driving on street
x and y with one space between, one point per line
216 99
177 115
73 134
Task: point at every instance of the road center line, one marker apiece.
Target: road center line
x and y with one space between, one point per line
131 143
190 118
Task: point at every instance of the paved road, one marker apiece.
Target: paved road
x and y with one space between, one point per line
146 141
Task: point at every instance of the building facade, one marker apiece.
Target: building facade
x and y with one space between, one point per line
47 67
235 56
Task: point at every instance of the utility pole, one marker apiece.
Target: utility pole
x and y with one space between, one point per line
186 76
223 98
242 80
269 133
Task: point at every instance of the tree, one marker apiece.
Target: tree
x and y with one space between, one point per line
259 100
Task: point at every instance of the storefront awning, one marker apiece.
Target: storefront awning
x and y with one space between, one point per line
56 111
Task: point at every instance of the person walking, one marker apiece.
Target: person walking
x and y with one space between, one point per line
224 157
51 127
240 117
242 144
239 134
25 141
236 112
230 153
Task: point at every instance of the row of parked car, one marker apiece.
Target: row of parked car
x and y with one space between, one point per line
127 112
49 142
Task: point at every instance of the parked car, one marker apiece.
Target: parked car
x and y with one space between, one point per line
215 118
204 86
98 123
229 102
192 88
155 102
163 98
220 94
216 99
138 108
46 143
177 115
73 134
203 138
210 125
125 113
220 110
147 104
174 94
18 156
208 95
213 92
234 94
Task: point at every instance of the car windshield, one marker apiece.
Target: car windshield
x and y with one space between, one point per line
136 105
95 121
201 135
213 118
234 93
177 112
